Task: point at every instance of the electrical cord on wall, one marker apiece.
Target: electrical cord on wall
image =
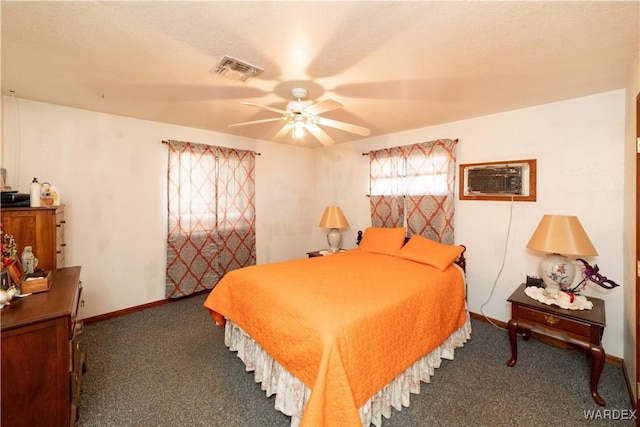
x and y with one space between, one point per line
504 257
16 171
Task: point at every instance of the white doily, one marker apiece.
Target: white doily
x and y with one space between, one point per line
580 302
325 252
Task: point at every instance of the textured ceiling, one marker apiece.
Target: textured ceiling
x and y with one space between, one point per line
393 65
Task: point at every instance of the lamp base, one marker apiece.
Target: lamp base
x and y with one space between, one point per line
333 238
551 291
557 273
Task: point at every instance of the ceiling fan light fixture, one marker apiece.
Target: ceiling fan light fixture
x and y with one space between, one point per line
235 69
301 116
298 127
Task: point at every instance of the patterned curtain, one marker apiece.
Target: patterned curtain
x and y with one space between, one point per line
431 171
203 182
236 209
386 193
418 179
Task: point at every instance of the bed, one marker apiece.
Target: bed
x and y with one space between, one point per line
342 339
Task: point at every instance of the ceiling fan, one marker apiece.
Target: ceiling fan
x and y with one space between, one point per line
301 115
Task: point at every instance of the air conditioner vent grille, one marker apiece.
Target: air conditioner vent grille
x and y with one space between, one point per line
495 180
235 69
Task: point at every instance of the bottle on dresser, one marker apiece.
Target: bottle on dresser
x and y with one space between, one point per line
46 196
34 193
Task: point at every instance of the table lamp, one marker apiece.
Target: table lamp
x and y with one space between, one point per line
334 219
559 236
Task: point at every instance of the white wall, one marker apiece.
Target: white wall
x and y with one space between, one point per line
579 147
111 172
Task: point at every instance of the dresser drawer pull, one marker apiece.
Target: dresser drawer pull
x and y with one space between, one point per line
551 320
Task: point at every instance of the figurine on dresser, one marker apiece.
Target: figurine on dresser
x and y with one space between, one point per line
6 296
29 260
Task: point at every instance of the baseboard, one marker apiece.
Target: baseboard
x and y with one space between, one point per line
616 361
130 310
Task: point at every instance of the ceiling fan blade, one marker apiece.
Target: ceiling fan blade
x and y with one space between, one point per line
282 132
323 107
264 107
320 135
348 127
254 122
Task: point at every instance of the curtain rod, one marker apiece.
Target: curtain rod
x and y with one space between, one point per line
366 154
254 152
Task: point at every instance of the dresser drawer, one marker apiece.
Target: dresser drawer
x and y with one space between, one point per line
555 322
76 314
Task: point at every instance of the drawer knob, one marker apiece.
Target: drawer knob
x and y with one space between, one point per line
551 320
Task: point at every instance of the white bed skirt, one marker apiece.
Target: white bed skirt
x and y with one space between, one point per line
292 394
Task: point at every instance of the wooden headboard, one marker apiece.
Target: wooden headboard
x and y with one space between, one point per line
461 261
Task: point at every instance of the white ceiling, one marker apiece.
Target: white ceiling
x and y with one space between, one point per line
393 65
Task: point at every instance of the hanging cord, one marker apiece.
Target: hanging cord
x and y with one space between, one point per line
16 170
504 257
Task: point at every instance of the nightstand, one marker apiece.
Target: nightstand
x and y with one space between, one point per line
579 328
319 253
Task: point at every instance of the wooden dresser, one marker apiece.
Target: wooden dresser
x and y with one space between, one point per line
40 228
43 354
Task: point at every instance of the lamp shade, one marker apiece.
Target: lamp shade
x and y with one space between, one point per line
561 234
333 218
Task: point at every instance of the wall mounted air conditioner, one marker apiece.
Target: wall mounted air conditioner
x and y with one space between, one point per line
499 181
494 180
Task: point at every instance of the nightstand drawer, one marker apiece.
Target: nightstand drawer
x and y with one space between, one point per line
556 322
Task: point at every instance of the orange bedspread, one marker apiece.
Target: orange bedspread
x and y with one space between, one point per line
345 324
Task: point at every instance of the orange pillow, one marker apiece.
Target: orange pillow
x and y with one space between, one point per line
426 251
385 241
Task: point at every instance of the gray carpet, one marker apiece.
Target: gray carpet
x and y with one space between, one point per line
168 366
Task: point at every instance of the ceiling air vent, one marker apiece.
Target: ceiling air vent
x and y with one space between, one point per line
234 69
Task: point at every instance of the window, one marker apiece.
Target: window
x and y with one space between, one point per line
428 174
211 215
414 185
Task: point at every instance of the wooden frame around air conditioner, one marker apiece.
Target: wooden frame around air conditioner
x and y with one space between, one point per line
529 182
